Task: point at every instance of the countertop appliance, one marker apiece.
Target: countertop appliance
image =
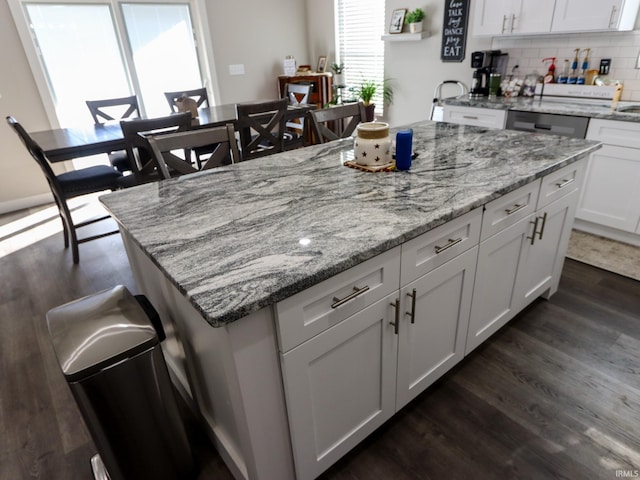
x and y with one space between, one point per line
565 125
485 63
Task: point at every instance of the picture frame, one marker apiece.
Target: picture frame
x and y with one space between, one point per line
397 20
322 64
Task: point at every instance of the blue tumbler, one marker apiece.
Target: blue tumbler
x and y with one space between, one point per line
404 141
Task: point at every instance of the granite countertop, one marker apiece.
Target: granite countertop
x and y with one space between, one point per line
592 108
239 238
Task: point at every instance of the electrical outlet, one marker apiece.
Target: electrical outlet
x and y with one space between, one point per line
237 69
605 65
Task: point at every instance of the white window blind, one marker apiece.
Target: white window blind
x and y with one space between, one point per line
360 25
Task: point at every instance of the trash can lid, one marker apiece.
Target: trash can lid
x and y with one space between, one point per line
97 331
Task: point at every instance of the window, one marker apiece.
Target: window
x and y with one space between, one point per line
360 26
97 49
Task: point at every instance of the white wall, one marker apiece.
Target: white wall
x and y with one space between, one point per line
20 177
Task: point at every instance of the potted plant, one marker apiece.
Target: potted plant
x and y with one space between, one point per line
414 18
338 74
367 90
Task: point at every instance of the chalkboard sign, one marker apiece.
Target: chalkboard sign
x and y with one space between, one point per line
454 30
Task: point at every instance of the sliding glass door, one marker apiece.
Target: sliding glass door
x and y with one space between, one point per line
107 49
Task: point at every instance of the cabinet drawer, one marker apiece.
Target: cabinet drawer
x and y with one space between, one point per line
435 248
561 183
479 117
508 209
614 132
310 312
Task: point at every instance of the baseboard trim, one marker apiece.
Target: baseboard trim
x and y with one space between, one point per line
26 202
607 232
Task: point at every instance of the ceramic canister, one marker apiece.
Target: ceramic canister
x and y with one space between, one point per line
372 145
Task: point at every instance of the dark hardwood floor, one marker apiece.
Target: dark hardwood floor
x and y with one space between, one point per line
554 394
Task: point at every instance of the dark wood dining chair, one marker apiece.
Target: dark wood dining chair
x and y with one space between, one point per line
69 185
294 134
170 165
336 122
198 94
144 167
112 109
261 127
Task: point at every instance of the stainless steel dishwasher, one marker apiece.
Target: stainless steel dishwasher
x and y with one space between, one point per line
566 125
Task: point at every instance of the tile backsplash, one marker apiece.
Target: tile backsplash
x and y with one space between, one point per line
622 48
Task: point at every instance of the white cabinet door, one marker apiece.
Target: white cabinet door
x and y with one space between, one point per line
611 195
340 386
495 298
585 15
512 17
491 17
433 330
544 254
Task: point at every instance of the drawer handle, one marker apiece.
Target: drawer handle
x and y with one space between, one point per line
504 19
451 243
396 324
356 291
517 207
544 222
412 313
470 117
565 183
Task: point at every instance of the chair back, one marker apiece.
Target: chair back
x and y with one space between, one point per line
337 122
137 145
198 94
170 165
261 127
297 94
113 109
38 155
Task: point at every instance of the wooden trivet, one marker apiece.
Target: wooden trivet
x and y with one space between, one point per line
389 167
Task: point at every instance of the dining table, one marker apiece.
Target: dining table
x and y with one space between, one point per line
67 143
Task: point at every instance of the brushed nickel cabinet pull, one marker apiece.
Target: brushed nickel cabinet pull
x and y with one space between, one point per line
535 228
504 20
396 324
470 117
412 313
544 222
613 11
451 243
517 207
513 21
356 291
564 183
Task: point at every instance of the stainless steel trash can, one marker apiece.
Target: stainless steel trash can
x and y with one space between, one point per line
110 354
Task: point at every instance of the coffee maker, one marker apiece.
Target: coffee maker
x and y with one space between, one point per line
485 63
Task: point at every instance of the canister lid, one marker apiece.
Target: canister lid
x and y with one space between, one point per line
94 332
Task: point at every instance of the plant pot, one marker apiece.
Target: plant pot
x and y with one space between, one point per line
415 27
338 80
369 111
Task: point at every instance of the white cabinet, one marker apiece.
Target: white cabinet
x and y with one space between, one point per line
432 335
524 259
477 117
340 386
512 17
611 196
586 15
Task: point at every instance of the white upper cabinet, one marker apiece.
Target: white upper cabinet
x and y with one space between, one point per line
585 15
530 17
512 17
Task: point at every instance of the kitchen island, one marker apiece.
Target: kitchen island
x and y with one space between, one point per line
281 280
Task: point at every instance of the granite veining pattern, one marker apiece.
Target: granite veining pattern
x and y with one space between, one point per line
239 238
591 108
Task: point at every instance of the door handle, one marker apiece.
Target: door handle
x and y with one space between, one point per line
535 228
412 313
396 324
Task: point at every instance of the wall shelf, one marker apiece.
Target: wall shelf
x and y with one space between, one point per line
404 37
